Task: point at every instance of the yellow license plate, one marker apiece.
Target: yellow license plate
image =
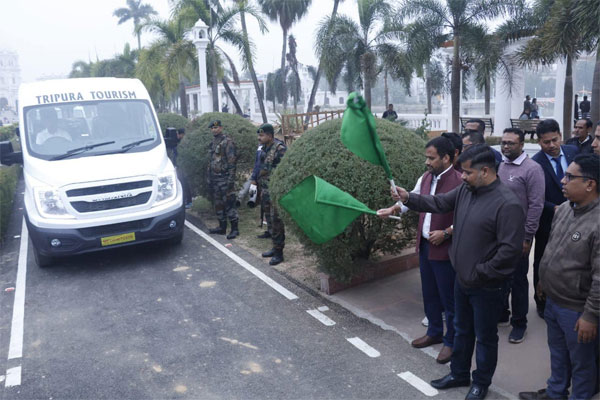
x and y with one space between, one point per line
123 238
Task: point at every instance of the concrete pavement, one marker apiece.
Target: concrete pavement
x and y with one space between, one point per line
396 303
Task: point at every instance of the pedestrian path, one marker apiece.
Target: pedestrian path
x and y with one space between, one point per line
396 303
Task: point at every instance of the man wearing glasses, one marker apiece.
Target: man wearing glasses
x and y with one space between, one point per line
570 280
526 178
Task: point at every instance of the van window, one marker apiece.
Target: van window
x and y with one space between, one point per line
53 130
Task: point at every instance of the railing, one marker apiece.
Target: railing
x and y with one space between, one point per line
292 125
436 121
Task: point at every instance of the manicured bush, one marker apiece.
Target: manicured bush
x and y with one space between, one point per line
193 149
9 177
320 152
171 120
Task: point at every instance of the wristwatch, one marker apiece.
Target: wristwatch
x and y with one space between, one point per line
446 234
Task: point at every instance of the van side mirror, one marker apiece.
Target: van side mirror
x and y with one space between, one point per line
8 156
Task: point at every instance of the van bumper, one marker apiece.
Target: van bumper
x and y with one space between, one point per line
85 240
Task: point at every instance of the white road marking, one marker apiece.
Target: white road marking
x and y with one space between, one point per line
13 376
15 349
283 291
323 308
365 348
324 319
419 384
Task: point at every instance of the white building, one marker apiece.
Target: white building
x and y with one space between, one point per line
10 79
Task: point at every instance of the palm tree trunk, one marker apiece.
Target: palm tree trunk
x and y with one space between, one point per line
248 55
596 88
182 97
487 94
283 74
567 102
214 85
139 41
428 88
313 92
238 109
455 86
386 89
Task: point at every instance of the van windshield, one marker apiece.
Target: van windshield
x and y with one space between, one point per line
83 129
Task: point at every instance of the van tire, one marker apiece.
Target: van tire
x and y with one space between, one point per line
41 260
176 240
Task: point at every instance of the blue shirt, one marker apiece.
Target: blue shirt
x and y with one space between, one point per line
563 161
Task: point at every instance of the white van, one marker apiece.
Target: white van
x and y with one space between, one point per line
96 170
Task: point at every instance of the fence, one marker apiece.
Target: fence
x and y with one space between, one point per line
293 125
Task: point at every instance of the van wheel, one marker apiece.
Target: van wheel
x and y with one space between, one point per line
176 240
41 260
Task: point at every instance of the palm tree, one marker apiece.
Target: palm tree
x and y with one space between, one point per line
173 53
294 79
362 50
249 56
287 12
81 69
137 12
587 15
455 17
550 44
317 77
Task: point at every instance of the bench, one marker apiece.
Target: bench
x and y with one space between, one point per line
489 124
528 126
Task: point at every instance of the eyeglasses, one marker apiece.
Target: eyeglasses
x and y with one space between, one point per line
569 177
509 144
215 127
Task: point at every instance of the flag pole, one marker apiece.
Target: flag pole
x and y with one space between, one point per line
394 217
393 186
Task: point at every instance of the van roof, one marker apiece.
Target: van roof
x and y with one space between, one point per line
80 89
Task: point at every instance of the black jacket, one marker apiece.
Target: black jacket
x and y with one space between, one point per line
489 228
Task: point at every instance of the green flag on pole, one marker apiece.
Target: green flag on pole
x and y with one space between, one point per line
320 209
359 134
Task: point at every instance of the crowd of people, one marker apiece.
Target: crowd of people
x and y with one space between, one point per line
477 224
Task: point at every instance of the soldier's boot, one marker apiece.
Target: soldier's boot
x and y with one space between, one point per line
221 230
234 230
266 235
269 253
277 257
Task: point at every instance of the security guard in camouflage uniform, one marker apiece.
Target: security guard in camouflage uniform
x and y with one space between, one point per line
221 179
272 152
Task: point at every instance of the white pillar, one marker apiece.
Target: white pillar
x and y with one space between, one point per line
200 40
559 91
517 98
502 106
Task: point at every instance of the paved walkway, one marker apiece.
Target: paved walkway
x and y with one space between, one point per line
396 303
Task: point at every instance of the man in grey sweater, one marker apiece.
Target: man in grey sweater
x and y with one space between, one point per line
526 178
570 280
488 240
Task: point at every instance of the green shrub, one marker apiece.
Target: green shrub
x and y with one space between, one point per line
9 177
193 149
7 132
168 120
320 152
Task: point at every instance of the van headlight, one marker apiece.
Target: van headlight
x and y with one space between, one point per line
167 187
49 203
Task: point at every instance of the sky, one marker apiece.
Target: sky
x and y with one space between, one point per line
49 36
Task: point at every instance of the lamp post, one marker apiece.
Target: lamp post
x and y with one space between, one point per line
200 40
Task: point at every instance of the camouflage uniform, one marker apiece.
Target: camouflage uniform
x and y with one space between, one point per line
221 177
270 158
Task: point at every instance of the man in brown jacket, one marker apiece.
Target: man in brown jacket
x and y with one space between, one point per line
570 280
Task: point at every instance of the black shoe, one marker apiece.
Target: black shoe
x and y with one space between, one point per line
540 312
234 231
266 235
477 393
221 230
277 258
539 395
269 253
449 381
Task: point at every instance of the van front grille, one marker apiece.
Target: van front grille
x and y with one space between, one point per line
117 187
91 206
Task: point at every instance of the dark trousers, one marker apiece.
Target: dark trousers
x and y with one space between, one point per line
185 187
541 239
476 318
437 283
519 294
569 360
277 228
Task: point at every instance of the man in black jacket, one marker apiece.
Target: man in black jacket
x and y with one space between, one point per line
554 159
488 240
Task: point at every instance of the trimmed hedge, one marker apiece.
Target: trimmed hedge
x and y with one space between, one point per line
168 120
320 152
9 176
193 149
7 132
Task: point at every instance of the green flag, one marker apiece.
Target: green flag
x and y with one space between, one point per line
359 134
320 209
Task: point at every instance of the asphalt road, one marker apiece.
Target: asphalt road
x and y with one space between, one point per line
189 321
